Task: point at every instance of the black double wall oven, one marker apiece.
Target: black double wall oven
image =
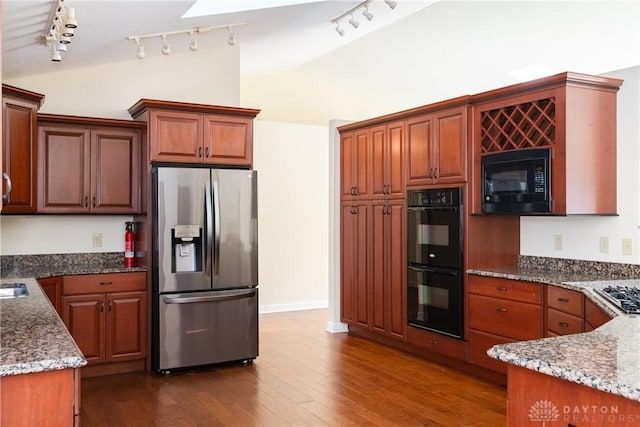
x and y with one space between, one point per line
434 255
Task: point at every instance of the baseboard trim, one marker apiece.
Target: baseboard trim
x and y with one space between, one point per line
308 305
337 327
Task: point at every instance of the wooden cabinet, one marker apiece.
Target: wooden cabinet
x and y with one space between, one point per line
575 116
501 311
354 271
355 157
388 268
437 147
437 343
388 160
52 287
594 316
197 133
564 311
19 149
107 315
88 167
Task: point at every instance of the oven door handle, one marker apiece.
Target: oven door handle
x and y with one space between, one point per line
435 270
432 209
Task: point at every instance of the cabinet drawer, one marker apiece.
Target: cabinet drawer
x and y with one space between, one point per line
566 300
509 319
479 343
437 343
103 283
514 290
562 323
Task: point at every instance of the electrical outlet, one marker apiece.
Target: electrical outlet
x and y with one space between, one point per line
558 242
97 240
627 247
604 245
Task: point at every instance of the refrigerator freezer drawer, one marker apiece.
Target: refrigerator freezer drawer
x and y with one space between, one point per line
203 328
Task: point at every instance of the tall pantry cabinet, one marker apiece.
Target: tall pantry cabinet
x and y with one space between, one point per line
373 228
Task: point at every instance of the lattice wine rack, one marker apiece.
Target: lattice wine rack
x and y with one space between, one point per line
526 125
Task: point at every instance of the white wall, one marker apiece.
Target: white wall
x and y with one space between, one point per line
582 233
291 161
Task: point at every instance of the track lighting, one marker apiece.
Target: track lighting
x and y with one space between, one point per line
391 3
61 29
193 44
166 49
353 22
231 40
365 12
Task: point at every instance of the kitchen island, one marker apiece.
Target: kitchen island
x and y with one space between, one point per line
39 362
583 379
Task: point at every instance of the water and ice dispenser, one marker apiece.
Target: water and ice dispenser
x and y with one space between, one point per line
187 248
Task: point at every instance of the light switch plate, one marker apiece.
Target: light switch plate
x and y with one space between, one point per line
558 242
627 247
97 240
604 245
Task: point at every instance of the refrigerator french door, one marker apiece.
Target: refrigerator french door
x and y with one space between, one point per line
205 277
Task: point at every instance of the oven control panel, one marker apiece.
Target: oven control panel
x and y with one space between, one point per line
439 197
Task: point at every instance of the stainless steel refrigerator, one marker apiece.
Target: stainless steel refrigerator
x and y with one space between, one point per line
205 277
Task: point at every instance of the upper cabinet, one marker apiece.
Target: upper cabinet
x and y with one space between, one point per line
19 149
574 115
89 165
197 133
437 146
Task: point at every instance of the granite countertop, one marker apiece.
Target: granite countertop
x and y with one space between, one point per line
41 272
607 359
33 338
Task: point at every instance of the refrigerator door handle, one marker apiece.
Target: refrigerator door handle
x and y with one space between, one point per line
208 216
216 228
222 296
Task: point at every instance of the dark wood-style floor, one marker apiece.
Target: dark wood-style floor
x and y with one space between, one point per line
304 376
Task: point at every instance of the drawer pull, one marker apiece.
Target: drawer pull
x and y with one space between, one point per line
105 283
434 342
501 310
501 288
563 299
563 324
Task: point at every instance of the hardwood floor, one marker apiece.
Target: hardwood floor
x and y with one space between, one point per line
304 376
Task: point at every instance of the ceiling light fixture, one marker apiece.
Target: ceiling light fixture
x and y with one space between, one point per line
60 30
193 44
350 13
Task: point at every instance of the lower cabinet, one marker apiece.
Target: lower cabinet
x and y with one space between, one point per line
501 311
52 287
565 311
107 315
594 316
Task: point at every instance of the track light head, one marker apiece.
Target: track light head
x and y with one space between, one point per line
194 42
140 50
55 55
339 29
71 22
166 49
391 3
61 47
231 40
367 14
68 32
353 22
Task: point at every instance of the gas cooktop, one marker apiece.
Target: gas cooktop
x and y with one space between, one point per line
625 298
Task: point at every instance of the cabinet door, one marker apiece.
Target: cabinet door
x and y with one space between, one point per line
450 145
396 160
175 136
84 317
397 266
419 135
354 269
379 159
52 287
126 326
228 140
355 155
64 155
115 170
19 160
379 266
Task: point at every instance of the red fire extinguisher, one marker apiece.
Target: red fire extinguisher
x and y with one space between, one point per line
128 245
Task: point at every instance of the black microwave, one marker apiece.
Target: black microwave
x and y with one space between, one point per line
517 181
